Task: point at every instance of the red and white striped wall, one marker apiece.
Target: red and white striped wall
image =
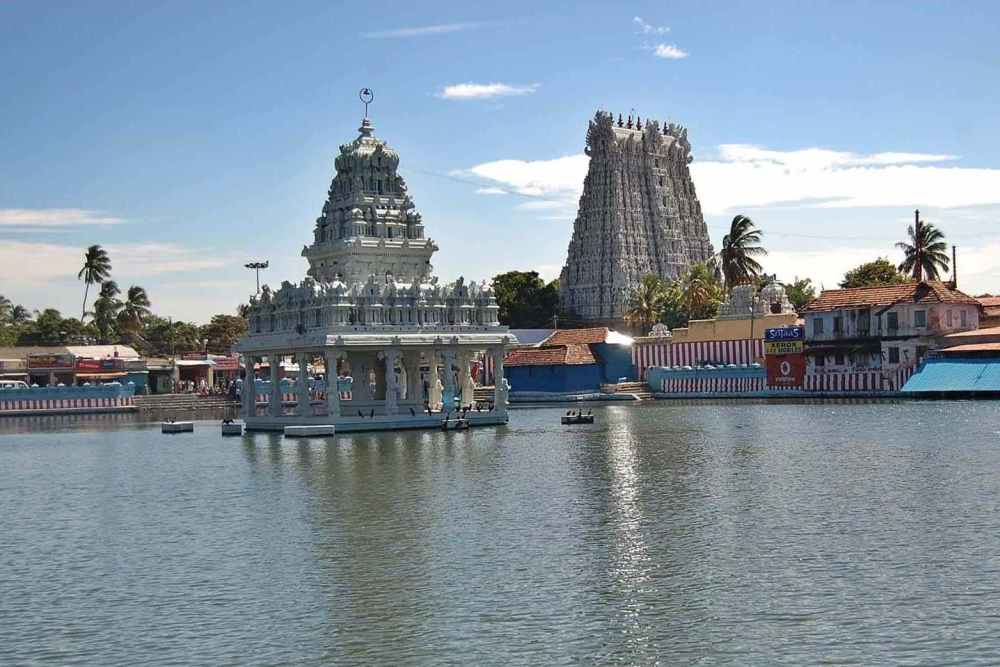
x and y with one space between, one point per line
709 384
838 382
648 354
42 404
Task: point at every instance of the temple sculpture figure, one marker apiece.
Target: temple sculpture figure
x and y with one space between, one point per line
638 215
396 346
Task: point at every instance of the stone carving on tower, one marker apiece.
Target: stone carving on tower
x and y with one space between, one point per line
369 225
638 215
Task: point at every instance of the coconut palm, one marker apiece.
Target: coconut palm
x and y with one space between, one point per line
739 247
698 292
135 309
19 314
106 309
926 255
645 304
96 269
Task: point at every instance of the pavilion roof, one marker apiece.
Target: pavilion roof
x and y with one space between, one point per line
887 295
551 355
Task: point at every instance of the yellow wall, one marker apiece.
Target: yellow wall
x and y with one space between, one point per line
711 330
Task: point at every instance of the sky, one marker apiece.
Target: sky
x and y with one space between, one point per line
189 138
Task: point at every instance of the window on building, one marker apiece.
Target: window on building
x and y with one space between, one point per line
950 318
921 352
920 318
964 318
893 355
817 325
821 360
838 324
892 320
839 359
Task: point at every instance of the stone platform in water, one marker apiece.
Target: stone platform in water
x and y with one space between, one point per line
235 428
177 427
309 431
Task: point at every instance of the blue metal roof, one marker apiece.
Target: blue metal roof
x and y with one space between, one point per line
956 374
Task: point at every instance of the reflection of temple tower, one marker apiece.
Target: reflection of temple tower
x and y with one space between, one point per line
638 215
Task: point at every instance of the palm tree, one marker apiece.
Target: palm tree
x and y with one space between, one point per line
645 304
96 269
739 247
135 309
19 314
926 254
699 292
106 309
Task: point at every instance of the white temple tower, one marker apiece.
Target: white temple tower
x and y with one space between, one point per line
638 215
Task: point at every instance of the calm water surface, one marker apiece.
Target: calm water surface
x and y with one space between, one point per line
666 533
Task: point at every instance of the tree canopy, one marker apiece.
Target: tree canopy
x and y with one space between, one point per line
870 274
525 300
925 257
800 292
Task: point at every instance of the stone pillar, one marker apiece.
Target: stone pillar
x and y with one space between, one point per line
434 390
302 388
274 405
332 390
499 381
249 393
448 397
465 375
414 385
391 397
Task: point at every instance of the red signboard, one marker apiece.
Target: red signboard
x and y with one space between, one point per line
99 365
227 363
786 371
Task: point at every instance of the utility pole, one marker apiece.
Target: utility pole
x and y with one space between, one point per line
918 269
954 268
257 266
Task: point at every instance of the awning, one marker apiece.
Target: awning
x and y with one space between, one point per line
101 376
194 362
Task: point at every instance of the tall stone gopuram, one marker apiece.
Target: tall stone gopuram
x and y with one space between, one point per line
638 215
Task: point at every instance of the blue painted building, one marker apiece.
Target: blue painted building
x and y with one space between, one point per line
571 360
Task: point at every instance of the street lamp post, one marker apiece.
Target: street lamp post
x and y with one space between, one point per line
257 266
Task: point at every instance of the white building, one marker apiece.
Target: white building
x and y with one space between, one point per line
883 328
401 343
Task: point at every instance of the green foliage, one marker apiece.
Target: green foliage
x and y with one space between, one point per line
800 293
96 269
162 337
106 309
696 295
926 255
739 248
870 274
525 301
647 302
223 332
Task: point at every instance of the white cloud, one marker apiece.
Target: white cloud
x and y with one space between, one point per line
420 31
646 29
491 191
669 52
560 177
482 91
54 217
130 261
748 176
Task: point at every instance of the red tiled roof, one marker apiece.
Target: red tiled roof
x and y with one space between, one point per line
989 301
975 333
972 347
577 336
550 355
886 295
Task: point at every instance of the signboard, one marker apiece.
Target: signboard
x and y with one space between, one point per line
787 371
774 347
226 363
98 365
50 361
194 356
785 333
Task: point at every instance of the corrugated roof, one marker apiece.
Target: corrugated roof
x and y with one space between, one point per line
531 336
103 351
958 375
989 301
551 355
974 333
27 350
887 295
